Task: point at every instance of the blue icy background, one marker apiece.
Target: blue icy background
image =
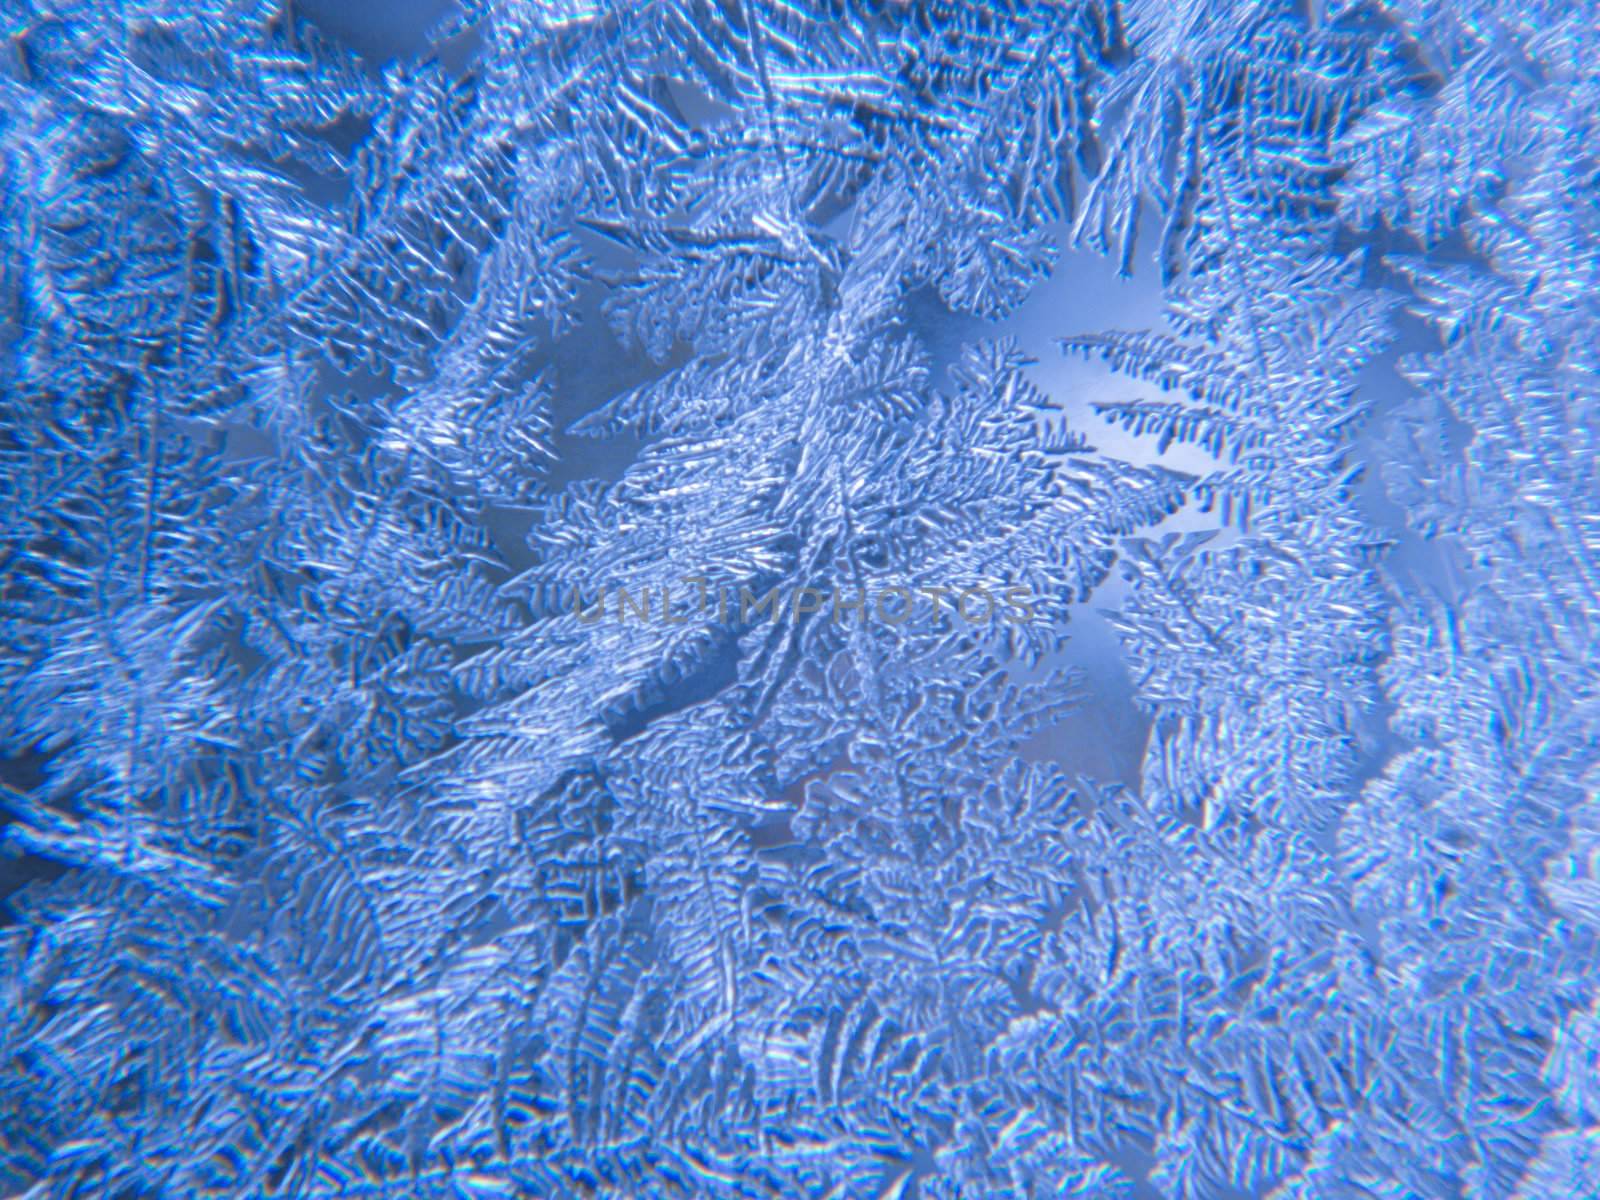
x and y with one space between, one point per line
348 346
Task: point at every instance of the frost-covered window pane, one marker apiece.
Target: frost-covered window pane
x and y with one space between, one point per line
844 599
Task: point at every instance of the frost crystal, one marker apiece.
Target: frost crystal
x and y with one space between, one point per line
354 848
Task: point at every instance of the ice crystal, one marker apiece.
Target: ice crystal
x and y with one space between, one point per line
539 573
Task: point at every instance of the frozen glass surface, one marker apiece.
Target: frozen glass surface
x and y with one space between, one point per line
850 599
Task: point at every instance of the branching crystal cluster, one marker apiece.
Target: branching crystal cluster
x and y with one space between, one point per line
347 857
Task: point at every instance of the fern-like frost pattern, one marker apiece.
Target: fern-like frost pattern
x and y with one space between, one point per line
545 571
